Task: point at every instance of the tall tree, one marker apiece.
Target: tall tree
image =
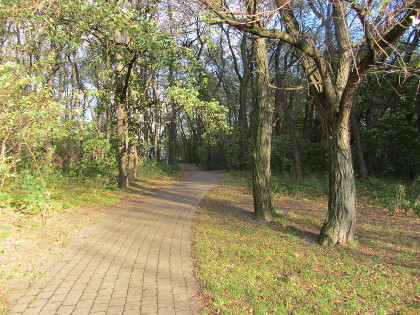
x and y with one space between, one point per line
263 118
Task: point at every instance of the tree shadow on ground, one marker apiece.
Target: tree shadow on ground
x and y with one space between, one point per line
379 236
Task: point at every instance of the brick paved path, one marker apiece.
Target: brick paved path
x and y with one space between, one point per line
136 260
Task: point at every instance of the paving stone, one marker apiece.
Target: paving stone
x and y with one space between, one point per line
166 311
115 310
133 305
117 302
85 304
99 307
149 309
19 308
57 298
38 303
65 309
131 312
51 306
82 311
32 311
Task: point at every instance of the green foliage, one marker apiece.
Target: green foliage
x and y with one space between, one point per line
31 195
399 196
98 159
28 115
310 188
149 168
395 143
235 158
313 156
391 194
387 193
6 165
212 112
281 155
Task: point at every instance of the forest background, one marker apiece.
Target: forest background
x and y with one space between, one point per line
91 91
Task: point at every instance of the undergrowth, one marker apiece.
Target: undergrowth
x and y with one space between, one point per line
30 194
391 194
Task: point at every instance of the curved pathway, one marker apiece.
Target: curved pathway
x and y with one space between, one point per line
136 260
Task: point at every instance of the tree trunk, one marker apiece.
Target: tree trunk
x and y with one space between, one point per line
339 226
122 84
122 132
363 172
133 163
172 136
242 117
49 151
3 161
261 168
307 121
146 133
156 137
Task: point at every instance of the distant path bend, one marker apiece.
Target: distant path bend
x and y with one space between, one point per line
136 260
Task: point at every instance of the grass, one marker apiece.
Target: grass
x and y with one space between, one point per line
394 195
29 195
246 267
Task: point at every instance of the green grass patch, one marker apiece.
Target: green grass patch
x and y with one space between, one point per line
30 195
160 169
378 192
246 267
310 188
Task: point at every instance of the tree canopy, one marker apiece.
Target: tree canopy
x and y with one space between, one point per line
93 88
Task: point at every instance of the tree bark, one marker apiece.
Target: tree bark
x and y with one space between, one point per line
243 79
122 132
339 226
156 136
307 121
242 117
261 168
172 136
133 163
122 83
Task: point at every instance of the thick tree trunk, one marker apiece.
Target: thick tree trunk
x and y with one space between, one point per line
339 226
261 168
